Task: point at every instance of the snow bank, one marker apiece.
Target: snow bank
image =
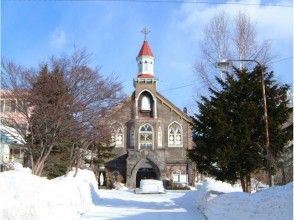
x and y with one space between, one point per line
26 196
221 201
120 186
211 188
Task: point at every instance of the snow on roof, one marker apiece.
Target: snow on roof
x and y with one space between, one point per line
10 135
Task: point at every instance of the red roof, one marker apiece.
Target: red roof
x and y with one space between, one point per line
145 50
146 75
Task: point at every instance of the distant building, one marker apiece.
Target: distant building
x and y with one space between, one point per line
151 135
12 122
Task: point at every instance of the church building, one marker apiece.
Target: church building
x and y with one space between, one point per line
151 135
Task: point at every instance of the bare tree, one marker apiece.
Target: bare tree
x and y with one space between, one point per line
229 38
67 101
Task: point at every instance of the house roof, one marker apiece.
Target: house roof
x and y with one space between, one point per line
10 135
5 139
145 50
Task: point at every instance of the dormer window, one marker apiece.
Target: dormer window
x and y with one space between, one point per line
145 104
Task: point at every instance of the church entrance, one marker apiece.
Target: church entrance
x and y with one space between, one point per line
145 173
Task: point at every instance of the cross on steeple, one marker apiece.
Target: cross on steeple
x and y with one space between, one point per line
145 31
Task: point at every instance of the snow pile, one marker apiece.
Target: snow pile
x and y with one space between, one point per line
151 186
120 186
26 196
211 188
220 201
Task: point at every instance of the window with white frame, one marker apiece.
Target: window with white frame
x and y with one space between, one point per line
8 105
146 137
176 176
12 105
175 135
180 177
159 137
117 135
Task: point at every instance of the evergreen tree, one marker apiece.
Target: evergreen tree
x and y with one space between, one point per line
58 161
51 116
229 129
103 152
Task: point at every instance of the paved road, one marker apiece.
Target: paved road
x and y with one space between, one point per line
124 205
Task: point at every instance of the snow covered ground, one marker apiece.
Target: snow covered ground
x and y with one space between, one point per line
212 200
115 204
25 196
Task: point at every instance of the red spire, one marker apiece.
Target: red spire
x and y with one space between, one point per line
145 50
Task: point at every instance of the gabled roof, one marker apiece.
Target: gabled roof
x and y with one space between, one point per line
174 108
164 100
145 50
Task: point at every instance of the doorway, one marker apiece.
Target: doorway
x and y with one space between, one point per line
145 173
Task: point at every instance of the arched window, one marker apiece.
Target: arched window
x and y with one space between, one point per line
117 135
159 137
146 137
175 135
145 104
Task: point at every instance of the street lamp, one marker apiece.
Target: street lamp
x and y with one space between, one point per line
223 66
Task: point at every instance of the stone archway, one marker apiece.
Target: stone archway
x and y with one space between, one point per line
144 169
147 170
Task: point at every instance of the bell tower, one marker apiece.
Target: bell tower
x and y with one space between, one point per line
145 83
145 61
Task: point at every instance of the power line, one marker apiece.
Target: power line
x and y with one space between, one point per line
179 87
177 2
287 58
191 84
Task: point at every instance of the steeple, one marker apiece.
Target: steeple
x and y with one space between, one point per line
145 83
145 50
145 59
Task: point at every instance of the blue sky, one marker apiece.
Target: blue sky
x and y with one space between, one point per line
31 31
